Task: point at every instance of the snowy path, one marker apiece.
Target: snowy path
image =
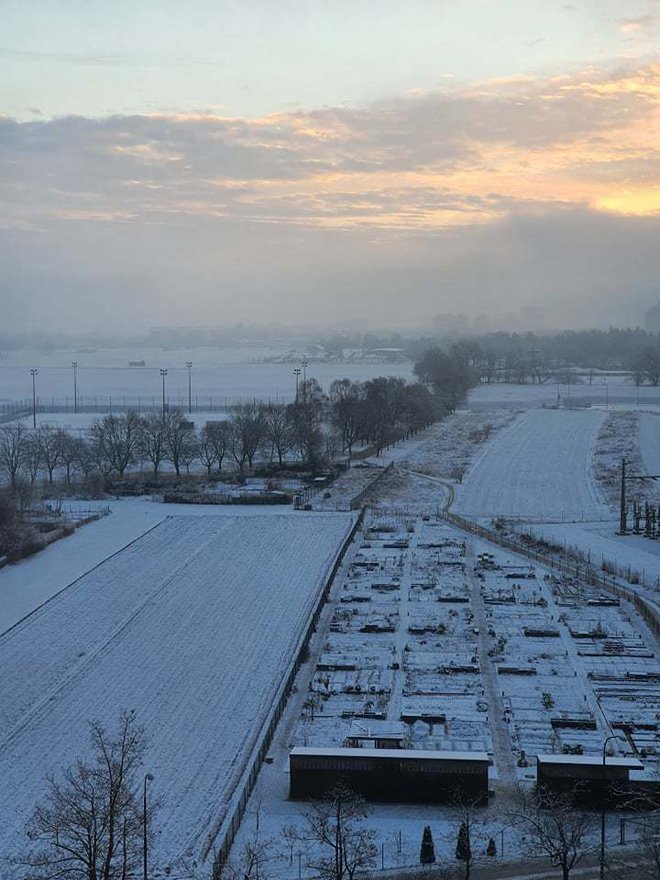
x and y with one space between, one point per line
537 467
194 627
499 731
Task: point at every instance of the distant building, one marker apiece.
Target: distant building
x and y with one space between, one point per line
652 319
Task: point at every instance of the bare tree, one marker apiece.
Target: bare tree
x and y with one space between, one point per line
152 442
347 405
13 441
50 446
336 825
466 813
178 437
220 434
90 824
247 434
250 863
277 430
68 454
557 828
32 459
206 452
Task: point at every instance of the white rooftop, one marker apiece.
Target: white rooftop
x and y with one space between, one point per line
590 761
402 754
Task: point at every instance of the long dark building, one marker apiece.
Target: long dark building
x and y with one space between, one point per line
398 775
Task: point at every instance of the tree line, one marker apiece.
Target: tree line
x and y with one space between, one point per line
314 431
536 358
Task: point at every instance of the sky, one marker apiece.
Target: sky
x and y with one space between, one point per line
364 161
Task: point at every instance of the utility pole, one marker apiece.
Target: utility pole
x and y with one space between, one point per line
189 366
148 778
296 373
74 364
34 373
163 373
623 524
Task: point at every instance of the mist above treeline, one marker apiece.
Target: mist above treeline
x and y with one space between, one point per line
528 351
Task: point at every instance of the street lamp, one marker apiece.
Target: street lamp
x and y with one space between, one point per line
296 373
74 364
147 778
34 373
163 373
601 872
189 368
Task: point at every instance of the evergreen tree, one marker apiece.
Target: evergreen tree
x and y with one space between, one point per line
463 850
491 849
427 851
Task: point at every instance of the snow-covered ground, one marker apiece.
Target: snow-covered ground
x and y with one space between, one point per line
537 467
612 391
216 376
79 424
28 583
193 627
649 442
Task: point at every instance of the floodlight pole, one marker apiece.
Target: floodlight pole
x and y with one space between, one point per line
189 367
296 373
163 373
74 364
34 373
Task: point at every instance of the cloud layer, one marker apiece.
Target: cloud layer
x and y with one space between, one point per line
421 183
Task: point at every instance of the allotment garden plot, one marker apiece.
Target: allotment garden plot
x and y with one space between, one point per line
573 666
400 665
194 626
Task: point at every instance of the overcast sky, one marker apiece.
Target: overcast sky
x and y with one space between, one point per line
219 161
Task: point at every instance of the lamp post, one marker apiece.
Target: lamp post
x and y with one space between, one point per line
147 778
74 364
34 373
163 373
189 367
601 872
296 373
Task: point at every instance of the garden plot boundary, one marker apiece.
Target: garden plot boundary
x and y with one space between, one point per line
220 840
646 608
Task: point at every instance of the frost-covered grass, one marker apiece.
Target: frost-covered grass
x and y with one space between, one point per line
193 627
618 438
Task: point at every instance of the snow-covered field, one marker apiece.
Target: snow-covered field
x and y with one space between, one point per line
193 626
216 375
28 583
537 467
615 391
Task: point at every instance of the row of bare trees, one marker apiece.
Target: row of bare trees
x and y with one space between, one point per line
314 430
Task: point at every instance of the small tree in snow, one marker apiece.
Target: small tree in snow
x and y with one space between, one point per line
336 825
427 850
